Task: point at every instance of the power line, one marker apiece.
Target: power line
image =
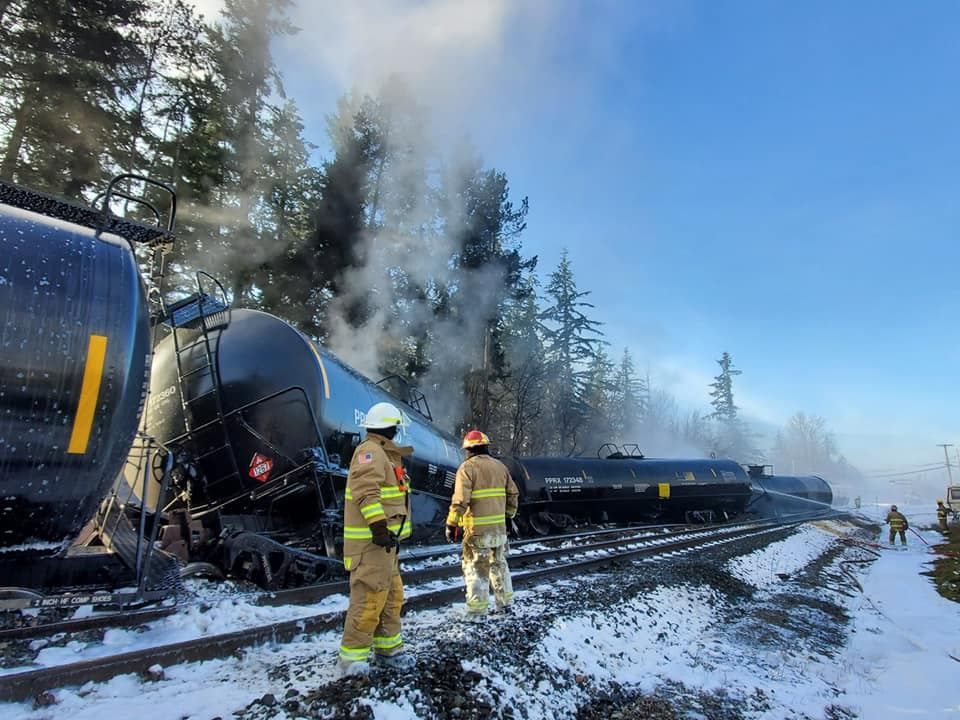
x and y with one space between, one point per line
929 468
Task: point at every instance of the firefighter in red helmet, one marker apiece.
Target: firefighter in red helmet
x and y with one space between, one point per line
485 497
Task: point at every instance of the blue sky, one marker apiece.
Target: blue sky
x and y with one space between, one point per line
773 179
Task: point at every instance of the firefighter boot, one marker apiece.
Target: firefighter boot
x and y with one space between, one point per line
397 661
352 667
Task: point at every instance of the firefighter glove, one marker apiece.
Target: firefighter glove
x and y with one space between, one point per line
382 536
453 533
512 529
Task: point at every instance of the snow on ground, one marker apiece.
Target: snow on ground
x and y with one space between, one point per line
749 632
764 567
222 615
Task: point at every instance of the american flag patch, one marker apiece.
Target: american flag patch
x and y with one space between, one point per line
365 458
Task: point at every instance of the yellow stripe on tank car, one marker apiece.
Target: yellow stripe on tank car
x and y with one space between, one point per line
664 490
323 369
89 391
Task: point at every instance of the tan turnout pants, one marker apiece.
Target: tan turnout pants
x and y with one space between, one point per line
485 568
373 616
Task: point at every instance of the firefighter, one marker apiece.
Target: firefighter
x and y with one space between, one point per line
484 498
376 517
898 524
942 515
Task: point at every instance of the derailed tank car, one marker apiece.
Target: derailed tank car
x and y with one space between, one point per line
263 423
74 358
623 488
778 495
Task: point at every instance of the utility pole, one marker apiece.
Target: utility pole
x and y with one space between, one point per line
947 457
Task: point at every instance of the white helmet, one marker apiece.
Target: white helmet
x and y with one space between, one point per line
382 415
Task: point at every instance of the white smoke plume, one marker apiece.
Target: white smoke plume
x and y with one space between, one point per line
453 59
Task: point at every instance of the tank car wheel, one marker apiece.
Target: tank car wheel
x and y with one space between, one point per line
540 523
201 569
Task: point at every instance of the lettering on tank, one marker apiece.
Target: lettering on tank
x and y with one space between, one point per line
565 484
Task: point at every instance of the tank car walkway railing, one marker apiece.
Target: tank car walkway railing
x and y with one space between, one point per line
24 685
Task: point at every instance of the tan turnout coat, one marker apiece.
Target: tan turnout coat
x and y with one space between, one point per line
376 490
484 496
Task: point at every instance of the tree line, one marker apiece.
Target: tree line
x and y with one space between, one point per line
404 257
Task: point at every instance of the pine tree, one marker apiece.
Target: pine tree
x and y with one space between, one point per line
489 274
600 397
571 340
629 403
67 70
248 77
522 408
721 392
732 437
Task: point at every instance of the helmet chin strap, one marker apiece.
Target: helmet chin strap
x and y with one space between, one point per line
389 432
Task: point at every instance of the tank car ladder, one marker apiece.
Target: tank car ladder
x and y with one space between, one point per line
209 366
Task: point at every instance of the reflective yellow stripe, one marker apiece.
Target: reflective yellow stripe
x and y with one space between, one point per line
355 532
471 520
395 527
359 654
369 511
387 492
489 493
89 390
664 489
387 643
454 518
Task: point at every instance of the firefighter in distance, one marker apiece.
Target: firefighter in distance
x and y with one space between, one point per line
376 518
484 498
942 515
898 524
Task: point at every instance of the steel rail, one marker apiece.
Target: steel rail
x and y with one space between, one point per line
94 622
313 593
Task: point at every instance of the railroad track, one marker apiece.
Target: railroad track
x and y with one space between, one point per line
526 568
312 593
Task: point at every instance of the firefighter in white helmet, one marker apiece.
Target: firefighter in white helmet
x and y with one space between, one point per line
484 498
376 517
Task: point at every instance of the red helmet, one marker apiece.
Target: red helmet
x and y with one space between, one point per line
474 438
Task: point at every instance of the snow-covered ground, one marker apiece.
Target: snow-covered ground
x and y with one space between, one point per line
775 633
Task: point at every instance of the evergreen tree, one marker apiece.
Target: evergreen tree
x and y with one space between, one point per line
571 340
291 188
629 402
489 273
600 397
732 438
520 403
721 391
248 79
67 69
